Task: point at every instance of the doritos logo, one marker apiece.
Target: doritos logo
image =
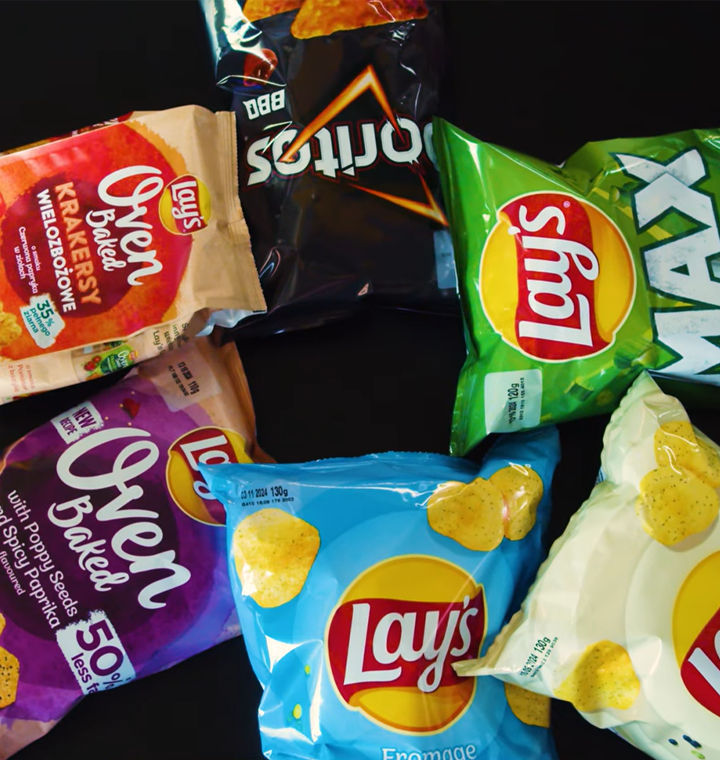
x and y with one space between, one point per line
393 637
696 633
557 279
334 150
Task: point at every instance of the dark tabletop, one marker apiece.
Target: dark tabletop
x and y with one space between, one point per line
540 77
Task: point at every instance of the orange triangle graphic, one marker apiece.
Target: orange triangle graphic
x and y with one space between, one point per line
366 80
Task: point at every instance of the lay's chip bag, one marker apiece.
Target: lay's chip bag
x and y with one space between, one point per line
574 279
118 242
623 620
112 549
359 582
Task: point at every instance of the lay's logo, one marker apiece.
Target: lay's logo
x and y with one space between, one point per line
696 633
557 279
391 642
205 445
185 205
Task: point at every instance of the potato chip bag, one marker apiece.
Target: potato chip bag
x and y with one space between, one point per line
574 279
118 242
334 101
623 620
359 582
112 549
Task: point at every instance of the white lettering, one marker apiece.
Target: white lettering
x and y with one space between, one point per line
136 458
679 267
136 243
263 167
408 155
357 644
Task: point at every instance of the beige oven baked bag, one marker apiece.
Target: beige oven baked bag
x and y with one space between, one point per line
118 242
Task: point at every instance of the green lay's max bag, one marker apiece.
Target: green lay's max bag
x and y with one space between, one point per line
574 279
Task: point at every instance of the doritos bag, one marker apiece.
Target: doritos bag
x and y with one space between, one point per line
112 551
334 103
623 620
118 242
359 582
575 279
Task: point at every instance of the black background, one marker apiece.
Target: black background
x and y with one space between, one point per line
541 77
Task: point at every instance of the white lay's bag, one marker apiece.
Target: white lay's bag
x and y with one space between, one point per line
623 620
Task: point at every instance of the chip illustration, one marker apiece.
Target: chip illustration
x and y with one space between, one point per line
472 515
9 677
254 10
273 553
317 18
522 490
2 622
675 504
603 677
530 708
676 443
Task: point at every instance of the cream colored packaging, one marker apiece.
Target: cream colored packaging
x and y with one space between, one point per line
624 617
117 243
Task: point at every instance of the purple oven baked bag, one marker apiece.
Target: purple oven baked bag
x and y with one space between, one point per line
112 551
334 104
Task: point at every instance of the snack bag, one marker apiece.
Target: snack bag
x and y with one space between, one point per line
334 102
623 618
119 241
574 279
112 551
360 581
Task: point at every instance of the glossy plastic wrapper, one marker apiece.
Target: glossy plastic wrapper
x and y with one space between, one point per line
574 279
112 551
334 104
623 620
359 582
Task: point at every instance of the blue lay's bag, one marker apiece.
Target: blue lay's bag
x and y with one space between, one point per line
359 582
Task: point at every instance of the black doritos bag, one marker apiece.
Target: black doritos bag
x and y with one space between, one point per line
337 178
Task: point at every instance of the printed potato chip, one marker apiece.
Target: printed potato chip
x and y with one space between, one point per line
273 553
710 472
675 504
9 677
604 677
10 330
676 443
318 18
254 10
527 706
522 491
2 623
472 515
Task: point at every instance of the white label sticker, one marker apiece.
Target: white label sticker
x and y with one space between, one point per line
42 319
95 654
186 380
77 422
513 400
